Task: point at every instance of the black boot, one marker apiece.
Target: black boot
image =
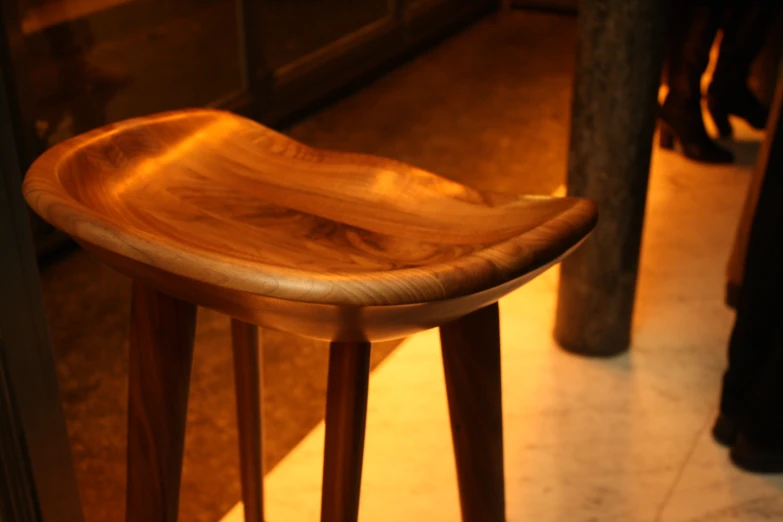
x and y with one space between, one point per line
752 397
693 30
746 27
726 430
757 458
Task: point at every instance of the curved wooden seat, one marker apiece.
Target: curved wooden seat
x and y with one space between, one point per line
203 207
226 213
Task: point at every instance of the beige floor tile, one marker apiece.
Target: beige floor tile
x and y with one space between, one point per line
621 439
712 490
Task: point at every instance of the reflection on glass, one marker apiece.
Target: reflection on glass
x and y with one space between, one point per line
295 28
97 61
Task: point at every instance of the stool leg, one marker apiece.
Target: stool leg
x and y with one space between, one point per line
346 413
161 352
471 363
248 374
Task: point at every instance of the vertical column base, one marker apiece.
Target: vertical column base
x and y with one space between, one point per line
613 116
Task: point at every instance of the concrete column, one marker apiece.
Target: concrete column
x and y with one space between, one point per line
618 70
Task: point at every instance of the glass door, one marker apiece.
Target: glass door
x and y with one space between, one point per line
90 62
37 480
86 63
315 48
80 64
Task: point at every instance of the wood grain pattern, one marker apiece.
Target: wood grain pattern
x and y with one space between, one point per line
346 414
318 321
219 199
161 351
471 363
213 209
248 378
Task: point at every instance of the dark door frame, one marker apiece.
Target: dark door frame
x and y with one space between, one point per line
37 480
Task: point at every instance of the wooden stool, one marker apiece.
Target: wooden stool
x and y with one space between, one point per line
205 208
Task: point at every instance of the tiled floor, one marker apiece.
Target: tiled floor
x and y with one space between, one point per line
623 439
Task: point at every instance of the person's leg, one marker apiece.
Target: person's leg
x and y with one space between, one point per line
759 445
752 397
754 333
694 25
745 27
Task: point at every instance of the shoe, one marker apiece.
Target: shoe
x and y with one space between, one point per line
684 125
726 430
756 459
740 102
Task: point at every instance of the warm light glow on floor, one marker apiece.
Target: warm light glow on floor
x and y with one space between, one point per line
623 439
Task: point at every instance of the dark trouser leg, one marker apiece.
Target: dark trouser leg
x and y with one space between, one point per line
746 27
753 384
693 29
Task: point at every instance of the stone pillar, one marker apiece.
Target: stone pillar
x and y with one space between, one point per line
618 70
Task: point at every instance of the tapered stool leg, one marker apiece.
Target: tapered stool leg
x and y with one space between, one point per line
248 375
346 414
161 352
471 363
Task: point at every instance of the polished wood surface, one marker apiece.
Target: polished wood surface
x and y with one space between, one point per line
471 364
248 378
346 414
161 352
216 210
318 321
219 199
